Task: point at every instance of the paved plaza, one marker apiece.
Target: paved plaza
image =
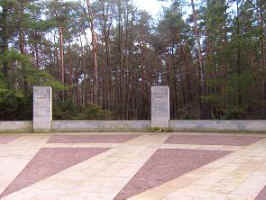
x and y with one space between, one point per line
133 166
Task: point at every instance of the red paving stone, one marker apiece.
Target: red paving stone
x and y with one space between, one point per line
5 139
50 161
90 138
165 165
212 140
262 195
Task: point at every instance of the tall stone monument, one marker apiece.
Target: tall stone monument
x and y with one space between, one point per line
160 107
42 109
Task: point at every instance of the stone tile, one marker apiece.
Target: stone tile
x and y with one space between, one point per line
5 139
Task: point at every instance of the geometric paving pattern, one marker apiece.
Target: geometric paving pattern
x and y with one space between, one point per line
50 161
262 195
7 139
165 165
139 166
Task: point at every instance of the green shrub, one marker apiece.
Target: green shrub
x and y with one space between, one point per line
69 111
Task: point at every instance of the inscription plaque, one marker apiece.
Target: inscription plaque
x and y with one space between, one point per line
160 106
42 109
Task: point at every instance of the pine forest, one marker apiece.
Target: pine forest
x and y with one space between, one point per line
101 58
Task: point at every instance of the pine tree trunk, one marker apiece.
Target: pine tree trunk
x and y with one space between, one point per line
94 50
203 107
62 60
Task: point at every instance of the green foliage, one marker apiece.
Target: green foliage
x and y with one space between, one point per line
15 98
234 112
24 70
94 112
69 111
3 86
134 52
15 106
160 130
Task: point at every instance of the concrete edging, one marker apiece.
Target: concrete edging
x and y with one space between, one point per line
138 125
94 125
218 125
15 126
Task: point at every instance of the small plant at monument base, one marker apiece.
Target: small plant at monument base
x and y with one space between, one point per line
159 129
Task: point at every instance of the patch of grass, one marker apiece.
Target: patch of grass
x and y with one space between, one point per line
159 130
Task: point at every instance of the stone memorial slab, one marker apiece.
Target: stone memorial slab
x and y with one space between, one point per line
42 109
160 106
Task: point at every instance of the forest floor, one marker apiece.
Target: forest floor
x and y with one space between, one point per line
135 166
